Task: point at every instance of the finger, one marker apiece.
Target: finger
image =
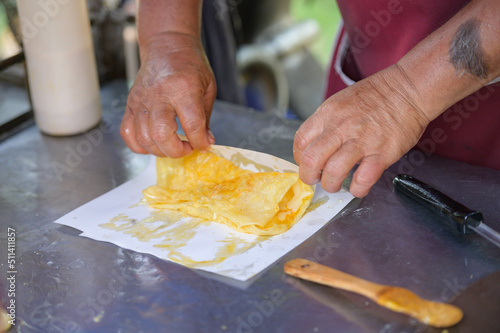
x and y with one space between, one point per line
163 131
368 173
127 132
315 155
338 166
142 133
307 133
191 113
208 102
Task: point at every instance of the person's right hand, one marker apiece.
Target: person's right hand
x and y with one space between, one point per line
175 80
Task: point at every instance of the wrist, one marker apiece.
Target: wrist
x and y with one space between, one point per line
160 20
395 86
168 42
416 88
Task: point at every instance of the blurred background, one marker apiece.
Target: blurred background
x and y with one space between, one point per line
279 51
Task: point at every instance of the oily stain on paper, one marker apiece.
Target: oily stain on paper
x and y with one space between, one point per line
164 230
316 204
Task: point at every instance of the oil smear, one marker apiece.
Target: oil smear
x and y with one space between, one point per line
171 231
316 204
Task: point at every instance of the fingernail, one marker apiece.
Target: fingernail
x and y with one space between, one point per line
318 180
211 137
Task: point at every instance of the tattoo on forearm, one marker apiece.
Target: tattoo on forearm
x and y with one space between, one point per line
465 51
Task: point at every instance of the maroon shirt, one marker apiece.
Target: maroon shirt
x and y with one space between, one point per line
377 33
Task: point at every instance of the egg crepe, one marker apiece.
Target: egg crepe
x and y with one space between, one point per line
211 187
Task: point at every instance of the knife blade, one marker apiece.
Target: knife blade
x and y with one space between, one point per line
467 221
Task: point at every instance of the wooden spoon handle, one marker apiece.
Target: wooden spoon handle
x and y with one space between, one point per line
311 271
394 298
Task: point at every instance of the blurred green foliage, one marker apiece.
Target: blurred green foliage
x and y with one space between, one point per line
327 14
3 19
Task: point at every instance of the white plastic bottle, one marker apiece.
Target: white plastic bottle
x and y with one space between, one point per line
62 70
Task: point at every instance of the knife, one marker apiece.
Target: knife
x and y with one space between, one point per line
467 221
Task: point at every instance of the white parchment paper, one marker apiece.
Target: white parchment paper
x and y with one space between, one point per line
119 217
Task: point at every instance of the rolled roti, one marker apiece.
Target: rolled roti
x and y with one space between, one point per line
211 187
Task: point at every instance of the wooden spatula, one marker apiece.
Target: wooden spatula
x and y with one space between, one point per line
395 298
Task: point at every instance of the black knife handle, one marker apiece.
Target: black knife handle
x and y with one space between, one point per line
459 215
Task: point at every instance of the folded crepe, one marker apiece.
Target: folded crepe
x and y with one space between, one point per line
211 187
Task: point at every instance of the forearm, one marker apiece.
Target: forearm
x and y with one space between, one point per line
159 18
456 60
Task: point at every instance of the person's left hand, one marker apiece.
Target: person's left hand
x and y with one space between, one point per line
373 122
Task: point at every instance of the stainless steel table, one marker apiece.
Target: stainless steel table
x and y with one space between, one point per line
67 283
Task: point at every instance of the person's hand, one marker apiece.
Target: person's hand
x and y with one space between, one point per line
175 80
373 122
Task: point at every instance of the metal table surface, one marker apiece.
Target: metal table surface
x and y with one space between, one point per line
67 283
